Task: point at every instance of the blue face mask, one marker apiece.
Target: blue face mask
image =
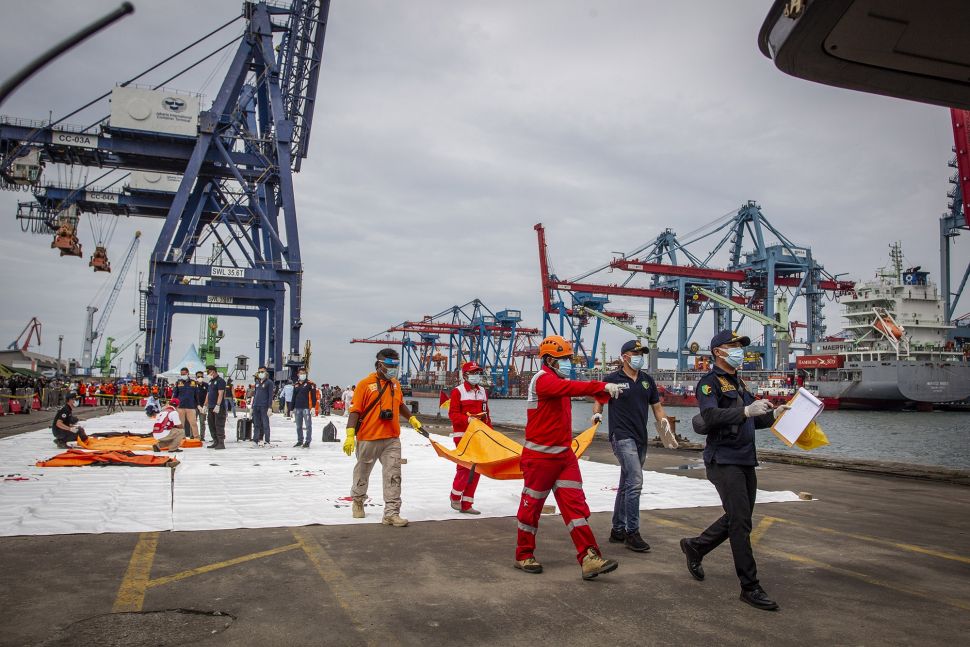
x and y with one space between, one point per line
734 357
391 372
565 367
636 362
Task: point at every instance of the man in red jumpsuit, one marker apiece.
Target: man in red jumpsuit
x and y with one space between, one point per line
468 400
548 463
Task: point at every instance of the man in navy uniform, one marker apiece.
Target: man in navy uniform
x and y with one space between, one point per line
731 414
186 392
629 413
216 406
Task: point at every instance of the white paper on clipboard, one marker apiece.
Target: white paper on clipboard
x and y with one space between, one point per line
805 407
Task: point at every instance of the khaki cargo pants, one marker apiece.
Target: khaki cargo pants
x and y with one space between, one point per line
191 422
172 440
388 452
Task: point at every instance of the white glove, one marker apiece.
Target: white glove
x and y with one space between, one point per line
780 409
613 389
597 417
667 436
757 408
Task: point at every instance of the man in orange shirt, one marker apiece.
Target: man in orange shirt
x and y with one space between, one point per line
374 423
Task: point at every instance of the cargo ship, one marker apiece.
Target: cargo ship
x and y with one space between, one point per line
896 353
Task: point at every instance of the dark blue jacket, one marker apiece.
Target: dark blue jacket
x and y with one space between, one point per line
263 393
186 390
215 386
304 395
722 397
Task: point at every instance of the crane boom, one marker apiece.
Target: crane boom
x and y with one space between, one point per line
90 336
780 325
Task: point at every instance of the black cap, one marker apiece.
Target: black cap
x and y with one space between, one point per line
72 396
634 346
211 367
727 337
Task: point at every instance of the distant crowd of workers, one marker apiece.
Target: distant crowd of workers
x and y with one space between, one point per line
729 416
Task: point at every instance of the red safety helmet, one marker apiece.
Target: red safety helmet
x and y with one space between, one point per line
174 402
555 346
470 367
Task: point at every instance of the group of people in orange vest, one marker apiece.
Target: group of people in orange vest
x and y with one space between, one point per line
103 391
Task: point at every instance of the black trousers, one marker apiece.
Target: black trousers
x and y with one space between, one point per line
217 424
737 486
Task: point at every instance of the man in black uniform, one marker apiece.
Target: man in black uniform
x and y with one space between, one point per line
216 406
65 427
731 414
186 391
201 396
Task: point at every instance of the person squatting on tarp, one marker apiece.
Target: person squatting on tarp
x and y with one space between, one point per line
548 463
186 392
65 427
167 430
304 402
262 401
730 416
628 436
373 426
216 404
468 400
151 406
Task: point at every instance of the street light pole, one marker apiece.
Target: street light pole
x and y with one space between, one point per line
60 347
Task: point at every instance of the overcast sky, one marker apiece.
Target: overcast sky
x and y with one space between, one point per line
445 130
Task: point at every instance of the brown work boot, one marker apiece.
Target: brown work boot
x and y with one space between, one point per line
395 520
529 565
358 509
594 564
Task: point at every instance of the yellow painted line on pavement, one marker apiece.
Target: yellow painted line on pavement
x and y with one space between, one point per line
801 559
208 568
343 591
933 597
760 530
877 540
131 593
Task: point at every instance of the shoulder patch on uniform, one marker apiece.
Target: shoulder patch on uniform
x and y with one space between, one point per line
706 389
646 384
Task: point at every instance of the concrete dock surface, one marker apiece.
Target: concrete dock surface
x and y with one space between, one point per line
875 560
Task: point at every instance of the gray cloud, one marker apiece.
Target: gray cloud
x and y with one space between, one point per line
444 131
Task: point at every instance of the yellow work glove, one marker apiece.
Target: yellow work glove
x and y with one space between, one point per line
349 443
416 424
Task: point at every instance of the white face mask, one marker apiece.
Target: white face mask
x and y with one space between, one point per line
474 379
262 375
302 376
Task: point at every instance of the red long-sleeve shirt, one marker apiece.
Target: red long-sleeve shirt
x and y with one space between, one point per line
549 426
467 400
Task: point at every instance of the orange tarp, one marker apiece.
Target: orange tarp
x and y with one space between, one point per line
127 442
80 458
494 454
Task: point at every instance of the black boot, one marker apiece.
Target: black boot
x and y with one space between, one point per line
219 445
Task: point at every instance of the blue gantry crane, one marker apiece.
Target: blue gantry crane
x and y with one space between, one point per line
440 343
752 279
222 178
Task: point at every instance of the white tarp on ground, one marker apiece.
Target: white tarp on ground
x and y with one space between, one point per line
281 485
66 500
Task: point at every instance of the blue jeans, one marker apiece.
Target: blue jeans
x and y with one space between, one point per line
626 510
301 416
260 423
